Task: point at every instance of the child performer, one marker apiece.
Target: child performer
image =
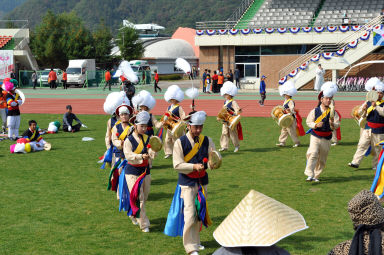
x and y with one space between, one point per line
322 123
137 171
228 91
174 95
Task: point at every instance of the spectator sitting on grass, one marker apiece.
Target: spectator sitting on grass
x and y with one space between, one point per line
68 119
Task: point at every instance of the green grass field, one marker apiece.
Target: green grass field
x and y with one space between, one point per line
57 202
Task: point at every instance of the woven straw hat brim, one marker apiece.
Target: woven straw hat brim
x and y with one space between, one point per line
258 220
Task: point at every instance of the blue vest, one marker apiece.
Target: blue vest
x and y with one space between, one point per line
113 121
374 117
326 126
175 111
120 130
197 159
229 106
150 131
286 106
129 169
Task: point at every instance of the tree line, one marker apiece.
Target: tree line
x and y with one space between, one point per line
61 37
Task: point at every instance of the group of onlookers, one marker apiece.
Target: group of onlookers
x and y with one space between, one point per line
213 82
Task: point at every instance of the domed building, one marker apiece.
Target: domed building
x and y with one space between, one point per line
162 53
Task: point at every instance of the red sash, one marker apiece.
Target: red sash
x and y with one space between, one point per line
322 134
375 125
145 163
196 174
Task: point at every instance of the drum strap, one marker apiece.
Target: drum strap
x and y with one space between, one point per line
195 149
229 101
371 108
116 123
140 147
170 111
286 101
322 116
125 133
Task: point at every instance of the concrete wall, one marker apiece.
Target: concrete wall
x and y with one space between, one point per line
212 57
271 65
271 39
209 58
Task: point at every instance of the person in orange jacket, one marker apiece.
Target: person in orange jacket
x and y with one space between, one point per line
220 82
157 81
65 80
107 80
52 77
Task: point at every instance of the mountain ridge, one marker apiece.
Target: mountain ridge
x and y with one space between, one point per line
168 13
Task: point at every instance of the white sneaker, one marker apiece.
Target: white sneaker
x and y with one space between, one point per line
134 221
280 144
333 144
296 145
316 180
309 179
194 253
167 156
236 149
145 230
201 247
223 149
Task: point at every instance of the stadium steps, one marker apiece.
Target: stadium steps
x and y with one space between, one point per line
317 12
249 14
6 43
350 56
356 72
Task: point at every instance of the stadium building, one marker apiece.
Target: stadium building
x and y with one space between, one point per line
287 39
15 53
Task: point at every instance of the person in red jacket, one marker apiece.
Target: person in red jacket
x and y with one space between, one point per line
64 79
107 80
215 78
157 81
52 77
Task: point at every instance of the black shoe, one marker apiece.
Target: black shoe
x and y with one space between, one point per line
353 165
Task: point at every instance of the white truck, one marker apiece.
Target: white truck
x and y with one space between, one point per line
79 70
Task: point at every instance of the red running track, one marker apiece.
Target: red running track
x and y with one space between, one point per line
251 108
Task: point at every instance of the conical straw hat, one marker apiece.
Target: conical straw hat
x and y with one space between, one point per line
258 220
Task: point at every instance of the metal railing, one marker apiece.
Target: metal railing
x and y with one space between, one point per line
322 48
229 24
14 24
243 7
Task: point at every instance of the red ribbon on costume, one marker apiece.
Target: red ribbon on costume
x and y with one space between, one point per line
381 153
299 124
322 134
240 132
375 125
135 194
338 130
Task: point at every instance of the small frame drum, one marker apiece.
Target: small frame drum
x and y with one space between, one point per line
372 96
156 143
47 146
214 160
